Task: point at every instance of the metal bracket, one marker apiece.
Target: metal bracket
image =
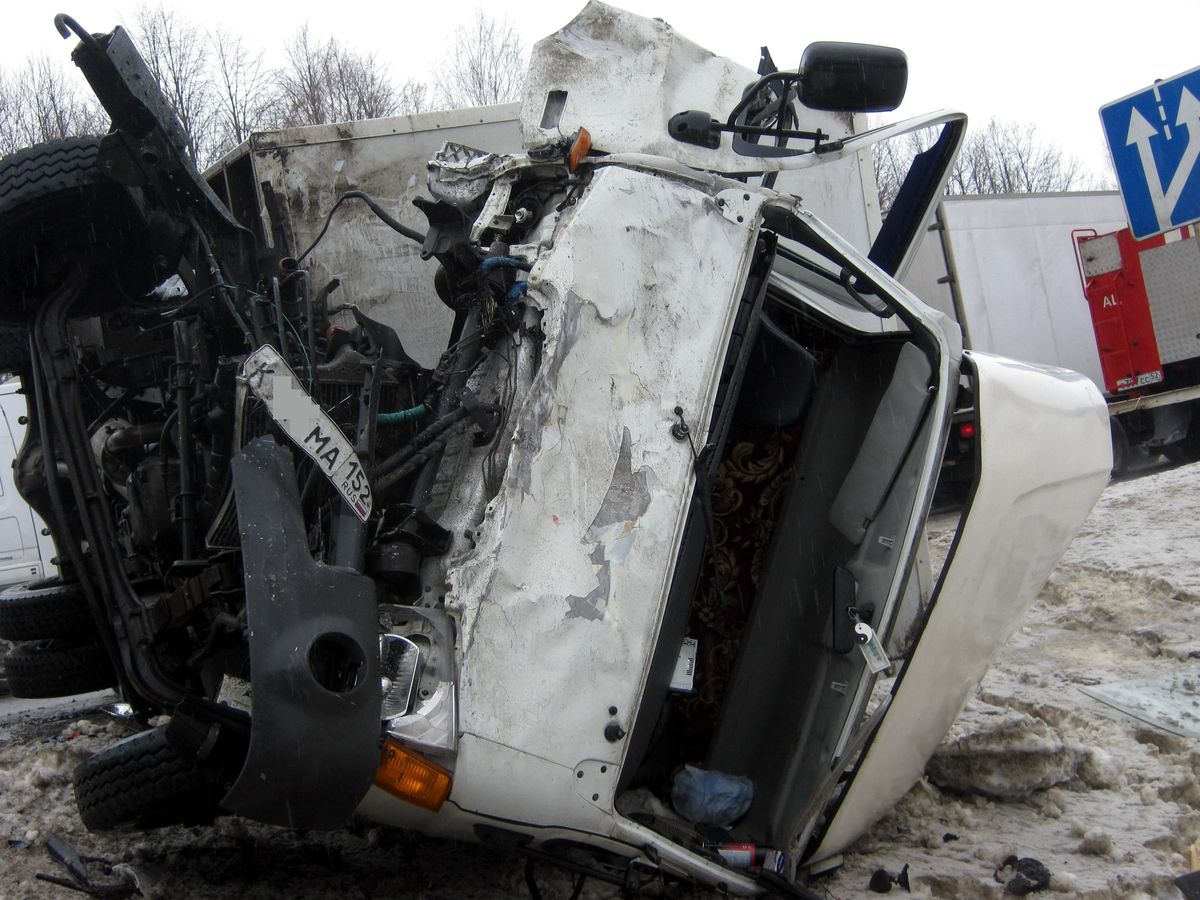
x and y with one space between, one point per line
740 206
493 208
595 780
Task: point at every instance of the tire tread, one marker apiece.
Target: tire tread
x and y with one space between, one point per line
143 780
52 669
47 168
43 609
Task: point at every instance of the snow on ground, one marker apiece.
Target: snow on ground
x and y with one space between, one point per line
1036 768
1033 767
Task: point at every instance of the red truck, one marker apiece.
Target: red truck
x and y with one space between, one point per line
1144 299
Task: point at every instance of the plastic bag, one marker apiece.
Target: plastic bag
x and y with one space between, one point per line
711 798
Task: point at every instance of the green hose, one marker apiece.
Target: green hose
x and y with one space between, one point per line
404 415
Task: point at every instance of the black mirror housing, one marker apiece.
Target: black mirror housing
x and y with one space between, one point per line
846 77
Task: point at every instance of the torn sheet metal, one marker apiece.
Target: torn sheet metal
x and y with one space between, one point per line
272 380
583 75
622 76
569 577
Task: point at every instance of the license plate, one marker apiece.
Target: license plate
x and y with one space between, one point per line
273 382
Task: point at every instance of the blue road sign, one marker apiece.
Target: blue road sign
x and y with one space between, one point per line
1154 138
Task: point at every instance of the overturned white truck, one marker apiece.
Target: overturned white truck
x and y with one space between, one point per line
610 577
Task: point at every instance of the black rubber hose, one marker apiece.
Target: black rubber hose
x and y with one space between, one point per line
416 460
423 438
382 213
223 289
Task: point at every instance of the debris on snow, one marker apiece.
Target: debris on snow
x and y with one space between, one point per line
1024 875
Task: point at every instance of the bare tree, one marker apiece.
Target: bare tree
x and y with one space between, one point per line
485 65
219 88
1010 158
358 86
413 97
328 82
892 160
42 102
176 52
246 98
1001 158
302 82
9 110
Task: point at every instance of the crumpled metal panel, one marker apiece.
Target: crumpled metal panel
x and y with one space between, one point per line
625 75
567 583
313 749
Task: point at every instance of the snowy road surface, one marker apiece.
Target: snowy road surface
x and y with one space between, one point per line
1034 767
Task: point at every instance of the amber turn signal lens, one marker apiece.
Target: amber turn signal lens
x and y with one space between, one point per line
579 149
411 777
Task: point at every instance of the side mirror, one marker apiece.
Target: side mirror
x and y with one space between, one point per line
844 77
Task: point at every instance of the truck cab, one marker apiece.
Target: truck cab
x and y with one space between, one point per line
652 508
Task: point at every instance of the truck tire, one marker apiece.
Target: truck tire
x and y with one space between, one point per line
1188 449
56 206
43 609
43 171
57 669
1120 449
144 781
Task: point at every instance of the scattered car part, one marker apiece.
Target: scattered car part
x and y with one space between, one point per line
1189 885
882 880
114 881
1171 703
1024 875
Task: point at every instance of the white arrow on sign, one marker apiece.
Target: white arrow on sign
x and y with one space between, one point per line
1140 132
1189 115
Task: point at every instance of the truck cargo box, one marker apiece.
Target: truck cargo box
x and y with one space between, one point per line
1004 268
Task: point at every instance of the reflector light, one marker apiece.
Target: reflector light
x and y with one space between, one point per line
411 777
579 149
966 429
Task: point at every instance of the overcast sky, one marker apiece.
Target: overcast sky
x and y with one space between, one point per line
1050 62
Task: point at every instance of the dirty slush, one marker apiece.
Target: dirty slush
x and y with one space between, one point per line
1033 768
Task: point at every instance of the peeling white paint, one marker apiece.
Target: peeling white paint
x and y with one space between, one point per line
638 303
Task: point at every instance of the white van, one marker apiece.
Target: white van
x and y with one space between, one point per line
26 549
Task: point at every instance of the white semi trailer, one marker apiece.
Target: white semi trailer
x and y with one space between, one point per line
1003 267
